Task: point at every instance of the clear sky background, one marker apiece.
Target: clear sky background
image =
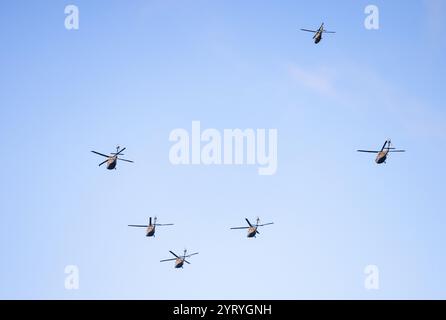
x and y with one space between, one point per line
135 70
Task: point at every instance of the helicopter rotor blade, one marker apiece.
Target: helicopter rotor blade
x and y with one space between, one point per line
248 222
101 154
368 151
308 30
174 254
235 228
103 162
186 261
190 255
163 224
265 224
150 221
125 160
329 31
168 260
119 152
138 225
397 150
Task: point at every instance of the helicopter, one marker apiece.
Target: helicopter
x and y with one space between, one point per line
179 261
150 232
385 150
318 33
113 158
252 230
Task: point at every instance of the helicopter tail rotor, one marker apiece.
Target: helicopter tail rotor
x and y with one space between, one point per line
119 151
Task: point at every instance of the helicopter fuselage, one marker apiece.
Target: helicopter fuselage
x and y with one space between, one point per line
252 231
318 37
179 263
381 157
111 163
150 231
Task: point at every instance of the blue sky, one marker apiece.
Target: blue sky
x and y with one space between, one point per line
135 71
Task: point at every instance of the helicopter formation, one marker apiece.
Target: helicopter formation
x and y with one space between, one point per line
112 160
252 229
180 260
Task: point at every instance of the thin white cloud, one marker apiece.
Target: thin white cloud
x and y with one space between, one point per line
362 89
